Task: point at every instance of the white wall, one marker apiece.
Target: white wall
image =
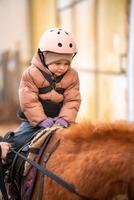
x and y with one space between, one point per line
14 26
131 65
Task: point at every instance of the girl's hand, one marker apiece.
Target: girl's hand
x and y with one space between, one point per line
47 123
62 122
4 149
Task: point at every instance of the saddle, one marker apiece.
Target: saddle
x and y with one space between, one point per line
20 168
36 144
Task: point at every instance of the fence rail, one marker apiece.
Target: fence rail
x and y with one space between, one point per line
10 72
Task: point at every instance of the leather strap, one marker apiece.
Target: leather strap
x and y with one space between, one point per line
38 159
53 176
46 158
2 183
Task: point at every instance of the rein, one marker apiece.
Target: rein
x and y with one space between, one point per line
51 175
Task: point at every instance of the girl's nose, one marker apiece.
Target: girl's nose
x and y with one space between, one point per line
62 66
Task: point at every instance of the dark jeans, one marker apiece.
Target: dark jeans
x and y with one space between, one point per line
21 136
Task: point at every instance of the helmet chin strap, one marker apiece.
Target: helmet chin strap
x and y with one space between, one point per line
42 58
74 55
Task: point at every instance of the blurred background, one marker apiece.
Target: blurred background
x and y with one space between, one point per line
104 33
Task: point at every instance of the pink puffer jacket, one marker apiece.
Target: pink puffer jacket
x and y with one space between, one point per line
32 79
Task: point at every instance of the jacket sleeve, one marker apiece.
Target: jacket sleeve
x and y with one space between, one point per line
72 100
29 100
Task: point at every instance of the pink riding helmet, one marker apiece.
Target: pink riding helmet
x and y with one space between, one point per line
57 40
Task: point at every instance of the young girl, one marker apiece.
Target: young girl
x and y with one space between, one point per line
49 89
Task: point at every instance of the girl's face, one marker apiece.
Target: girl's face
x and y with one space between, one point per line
60 67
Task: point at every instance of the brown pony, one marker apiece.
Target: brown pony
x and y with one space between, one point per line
98 159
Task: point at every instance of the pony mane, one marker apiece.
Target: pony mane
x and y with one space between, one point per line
87 130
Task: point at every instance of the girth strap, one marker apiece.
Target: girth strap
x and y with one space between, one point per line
46 158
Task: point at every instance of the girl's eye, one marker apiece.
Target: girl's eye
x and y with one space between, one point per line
57 63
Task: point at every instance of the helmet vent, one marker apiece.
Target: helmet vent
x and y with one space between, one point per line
70 45
59 44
